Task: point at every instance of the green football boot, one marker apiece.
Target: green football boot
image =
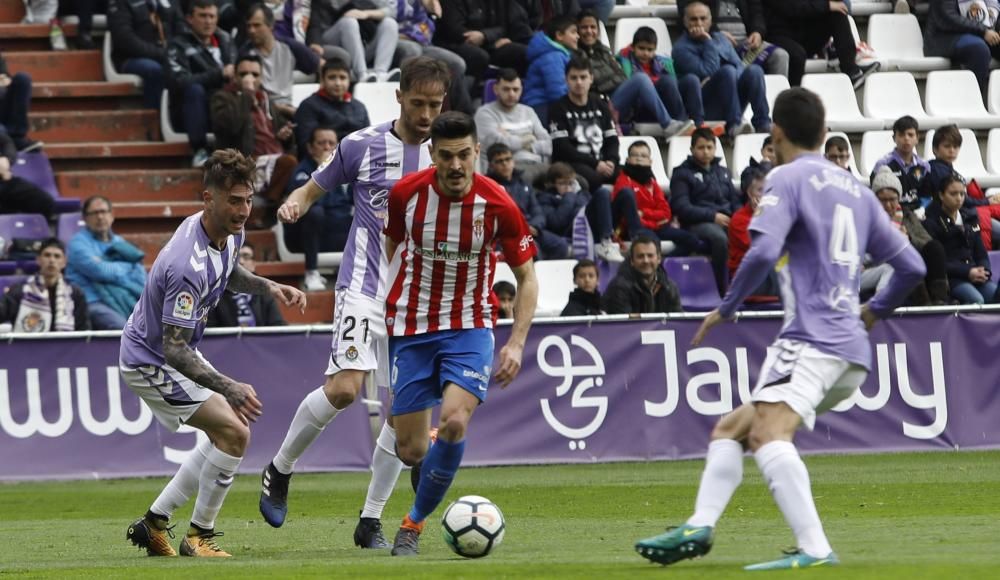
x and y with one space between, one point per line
678 543
793 560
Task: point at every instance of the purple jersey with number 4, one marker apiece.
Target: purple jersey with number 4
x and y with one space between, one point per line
371 161
186 281
829 221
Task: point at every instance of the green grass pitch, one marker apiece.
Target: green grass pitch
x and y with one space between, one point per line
924 515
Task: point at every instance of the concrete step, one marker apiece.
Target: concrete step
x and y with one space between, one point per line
319 307
132 185
62 66
84 96
91 156
19 37
85 126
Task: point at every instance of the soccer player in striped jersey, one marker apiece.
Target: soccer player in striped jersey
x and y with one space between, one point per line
440 308
371 161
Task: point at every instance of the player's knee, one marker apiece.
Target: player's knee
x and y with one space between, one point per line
341 398
453 427
233 438
411 453
759 436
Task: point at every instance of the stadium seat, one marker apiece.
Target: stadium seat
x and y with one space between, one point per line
899 44
850 149
35 167
955 94
695 281
970 160
558 283
874 146
625 29
110 74
870 7
678 149
488 94
504 274
68 225
994 93
604 34
379 99
659 171
301 78
993 154
303 92
170 135
746 147
10 280
995 262
325 260
889 96
841 104
582 238
21 225
773 85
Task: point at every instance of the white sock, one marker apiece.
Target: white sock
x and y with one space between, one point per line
385 471
314 414
184 483
788 479
723 474
216 478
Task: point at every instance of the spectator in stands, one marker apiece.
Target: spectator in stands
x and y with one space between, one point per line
105 266
366 29
331 106
46 301
325 226
15 102
641 285
201 61
505 292
838 151
563 199
767 151
585 299
904 162
517 126
934 289
246 310
19 195
485 32
751 185
742 22
416 30
957 228
140 32
548 54
503 169
704 200
727 85
966 33
84 11
279 58
803 28
674 102
640 208
291 17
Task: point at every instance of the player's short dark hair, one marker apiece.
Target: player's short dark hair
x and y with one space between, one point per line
837 142
335 64
317 129
496 149
578 62
645 35
508 74
423 70
702 133
250 56
947 135
504 288
904 124
560 170
453 125
559 23
767 141
90 201
638 144
192 4
227 168
263 9
642 239
800 114
52 243
948 180
585 263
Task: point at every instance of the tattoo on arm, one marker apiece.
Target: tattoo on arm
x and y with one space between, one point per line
242 280
181 356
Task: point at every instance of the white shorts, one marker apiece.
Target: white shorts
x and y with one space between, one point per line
171 396
807 380
360 341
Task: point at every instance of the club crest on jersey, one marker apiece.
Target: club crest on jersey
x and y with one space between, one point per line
352 353
478 226
184 306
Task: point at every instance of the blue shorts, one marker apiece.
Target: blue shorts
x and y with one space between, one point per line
422 364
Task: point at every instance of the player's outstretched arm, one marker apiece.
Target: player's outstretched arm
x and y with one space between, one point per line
179 354
242 280
299 202
524 311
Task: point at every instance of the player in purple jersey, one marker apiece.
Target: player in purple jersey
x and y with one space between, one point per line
371 161
160 362
815 222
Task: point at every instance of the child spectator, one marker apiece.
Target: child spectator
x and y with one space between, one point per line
548 54
505 292
752 185
904 162
562 200
678 100
331 106
957 229
838 151
767 151
585 299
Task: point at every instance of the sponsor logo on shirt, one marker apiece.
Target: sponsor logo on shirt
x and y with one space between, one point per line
184 306
444 252
525 243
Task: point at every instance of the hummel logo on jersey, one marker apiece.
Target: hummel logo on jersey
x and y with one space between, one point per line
394 164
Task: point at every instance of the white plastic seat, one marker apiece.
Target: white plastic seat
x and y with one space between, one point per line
659 170
994 93
301 78
379 99
678 149
773 85
837 94
558 283
889 96
746 147
110 74
325 260
605 40
955 94
504 274
899 44
625 28
874 146
302 92
166 127
993 152
970 160
852 162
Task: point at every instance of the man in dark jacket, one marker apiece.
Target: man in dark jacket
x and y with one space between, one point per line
201 62
704 199
140 31
15 101
235 309
485 32
641 285
331 106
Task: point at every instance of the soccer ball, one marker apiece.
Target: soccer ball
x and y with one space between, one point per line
473 526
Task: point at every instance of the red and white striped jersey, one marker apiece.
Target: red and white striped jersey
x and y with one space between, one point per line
441 277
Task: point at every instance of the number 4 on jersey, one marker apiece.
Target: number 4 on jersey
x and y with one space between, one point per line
844 239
